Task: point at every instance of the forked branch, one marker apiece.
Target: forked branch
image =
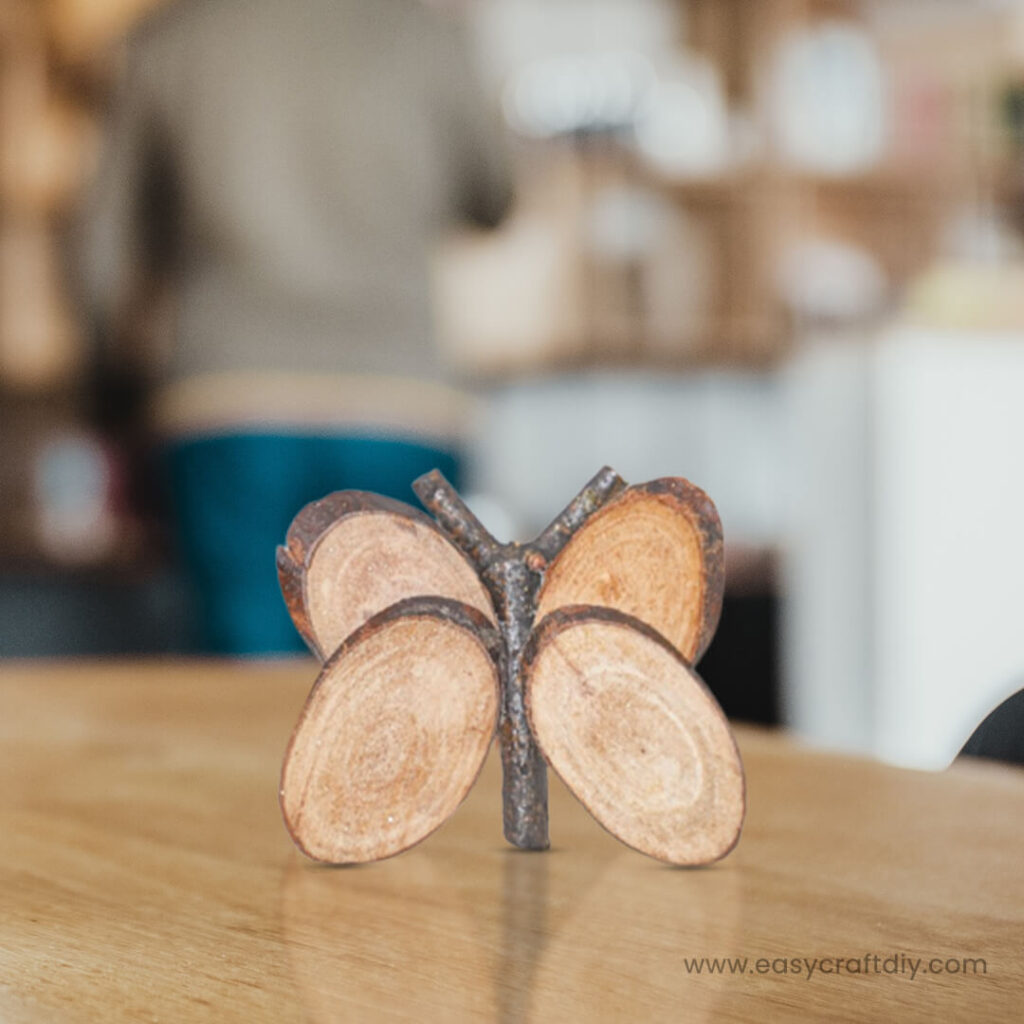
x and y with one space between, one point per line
455 518
513 574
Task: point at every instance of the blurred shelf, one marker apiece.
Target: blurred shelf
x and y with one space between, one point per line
885 186
756 182
748 348
745 186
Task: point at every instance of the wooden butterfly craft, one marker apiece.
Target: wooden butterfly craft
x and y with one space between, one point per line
577 648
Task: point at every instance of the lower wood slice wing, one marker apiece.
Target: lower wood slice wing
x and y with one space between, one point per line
628 725
394 732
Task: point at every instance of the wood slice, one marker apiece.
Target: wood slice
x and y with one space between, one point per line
634 733
655 553
394 732
352 554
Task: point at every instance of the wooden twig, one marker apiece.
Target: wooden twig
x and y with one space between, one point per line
604 485
513 574
455 517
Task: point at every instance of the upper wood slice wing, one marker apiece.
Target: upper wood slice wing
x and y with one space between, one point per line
394 733
654 552
634 733
353 554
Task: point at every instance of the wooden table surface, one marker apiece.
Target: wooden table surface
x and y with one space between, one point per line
146 876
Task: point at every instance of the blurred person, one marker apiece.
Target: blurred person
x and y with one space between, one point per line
284 169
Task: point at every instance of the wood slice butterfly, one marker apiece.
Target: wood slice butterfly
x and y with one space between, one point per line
577 648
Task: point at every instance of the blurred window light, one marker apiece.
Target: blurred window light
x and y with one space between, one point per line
829 99
512 34
683 128
980 236
73 483
828 280
580 92
624 223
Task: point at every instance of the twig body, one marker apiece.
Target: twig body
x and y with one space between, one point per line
513 574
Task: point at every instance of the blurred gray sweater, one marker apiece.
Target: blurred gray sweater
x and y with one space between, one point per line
289 163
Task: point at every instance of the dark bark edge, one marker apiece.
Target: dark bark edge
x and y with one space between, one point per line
703 515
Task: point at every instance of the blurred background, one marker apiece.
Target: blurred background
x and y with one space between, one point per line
774 246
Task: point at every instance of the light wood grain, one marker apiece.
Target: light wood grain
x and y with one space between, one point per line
654 552
352 554
394 733
634 733
146 875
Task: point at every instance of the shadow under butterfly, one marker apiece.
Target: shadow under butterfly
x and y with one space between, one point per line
577 648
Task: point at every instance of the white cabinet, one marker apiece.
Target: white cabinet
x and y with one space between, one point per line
905 540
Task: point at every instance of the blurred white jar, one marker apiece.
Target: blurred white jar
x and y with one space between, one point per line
828 96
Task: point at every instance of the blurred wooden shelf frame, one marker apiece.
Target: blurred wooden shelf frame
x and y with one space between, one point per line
895 211
746 219
55 62
55 57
